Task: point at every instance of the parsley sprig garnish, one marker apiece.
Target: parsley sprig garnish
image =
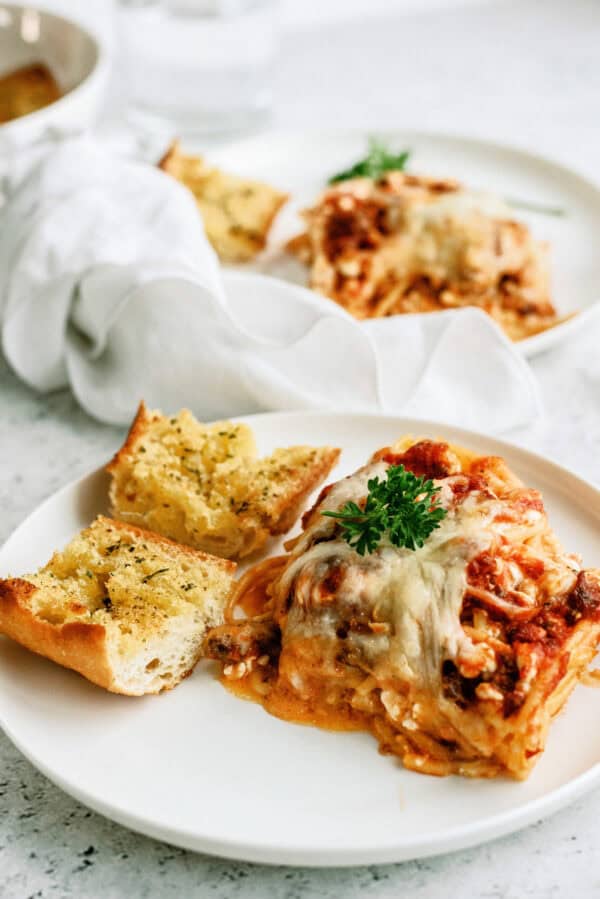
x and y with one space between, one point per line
403 505
380 160
377 161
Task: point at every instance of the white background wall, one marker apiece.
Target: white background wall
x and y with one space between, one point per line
296 14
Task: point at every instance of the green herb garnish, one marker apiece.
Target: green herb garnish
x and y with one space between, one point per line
404 506
378 161
154 573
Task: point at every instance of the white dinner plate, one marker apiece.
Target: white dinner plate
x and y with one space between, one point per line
205 770
300 163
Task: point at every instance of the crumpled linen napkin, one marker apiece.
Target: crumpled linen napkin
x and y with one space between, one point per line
108 285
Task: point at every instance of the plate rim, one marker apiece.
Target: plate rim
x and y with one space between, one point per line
436 842
530 346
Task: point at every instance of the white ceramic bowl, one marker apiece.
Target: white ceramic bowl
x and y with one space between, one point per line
78 60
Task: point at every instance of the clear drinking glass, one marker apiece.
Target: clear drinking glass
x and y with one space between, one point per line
198 66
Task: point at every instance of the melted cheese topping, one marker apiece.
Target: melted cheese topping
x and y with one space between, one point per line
405 244
418 593
364 641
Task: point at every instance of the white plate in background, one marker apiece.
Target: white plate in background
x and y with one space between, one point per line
202 769
300 163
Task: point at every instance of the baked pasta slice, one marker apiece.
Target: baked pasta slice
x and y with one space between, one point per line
456 653
404 243
124 607
205 486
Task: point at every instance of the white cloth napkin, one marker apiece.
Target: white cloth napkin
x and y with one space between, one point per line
108 284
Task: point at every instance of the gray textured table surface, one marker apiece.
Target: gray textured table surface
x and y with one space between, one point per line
527 72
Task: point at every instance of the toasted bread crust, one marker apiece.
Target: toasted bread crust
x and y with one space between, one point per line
136 430
77 645
167 158
83 645
293 475
287 510
237 233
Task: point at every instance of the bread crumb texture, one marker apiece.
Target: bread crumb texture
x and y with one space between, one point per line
123 606
237 212
204 485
